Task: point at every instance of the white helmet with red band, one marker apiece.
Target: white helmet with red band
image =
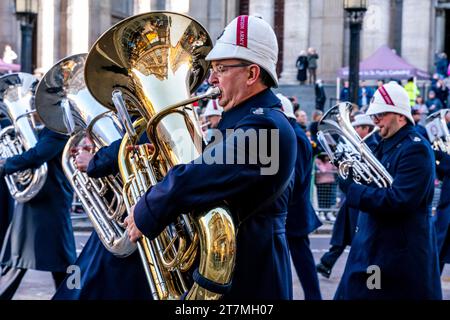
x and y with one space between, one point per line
391 97
248 38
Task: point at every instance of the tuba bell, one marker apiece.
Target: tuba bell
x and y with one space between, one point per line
347 150
151 64
66 106
16 90
437 130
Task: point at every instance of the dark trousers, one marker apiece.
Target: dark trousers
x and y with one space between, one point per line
305 266
330 257
12 277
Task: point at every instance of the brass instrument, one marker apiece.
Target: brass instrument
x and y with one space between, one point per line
151 63
66 106
16 90
437 131
347 150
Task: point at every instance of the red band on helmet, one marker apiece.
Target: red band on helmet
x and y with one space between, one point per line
385 96
214 105
242 31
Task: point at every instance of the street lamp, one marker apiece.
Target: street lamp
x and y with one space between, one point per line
355 13
26 12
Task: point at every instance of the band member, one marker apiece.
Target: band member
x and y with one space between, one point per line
345 224
244 68
103 275
442 222
301 218
6 201
40 236
394 254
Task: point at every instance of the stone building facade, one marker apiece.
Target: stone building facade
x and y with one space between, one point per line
414 28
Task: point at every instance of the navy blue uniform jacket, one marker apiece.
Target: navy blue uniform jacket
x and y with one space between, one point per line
262 268
302 218
6 201
41 235
395 231
103 275
443 209
345 224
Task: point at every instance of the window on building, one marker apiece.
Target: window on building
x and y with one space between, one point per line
121 9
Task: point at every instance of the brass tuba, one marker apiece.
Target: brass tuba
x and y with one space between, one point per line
66 106
16 91
150 64
347 150
437 130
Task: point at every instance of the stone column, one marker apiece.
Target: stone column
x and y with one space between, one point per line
198 9
417 35
263 8
142 6
46 40
78 26
375 31
296 31
440 30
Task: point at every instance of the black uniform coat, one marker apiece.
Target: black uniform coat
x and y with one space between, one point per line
41 235
443 210
345 224
262 268
395 231
6 201
103 275
302 219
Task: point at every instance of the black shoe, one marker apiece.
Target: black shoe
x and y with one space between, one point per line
324 271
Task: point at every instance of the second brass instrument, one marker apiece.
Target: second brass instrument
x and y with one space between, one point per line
346 149
67 107
16 91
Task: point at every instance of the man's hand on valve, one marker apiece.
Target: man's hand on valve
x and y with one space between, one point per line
82 159
133 232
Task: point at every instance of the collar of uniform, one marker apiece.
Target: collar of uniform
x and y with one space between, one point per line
396 138
264 99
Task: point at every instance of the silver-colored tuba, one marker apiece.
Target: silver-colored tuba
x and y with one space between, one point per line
347 150
66 106
16 91
437 130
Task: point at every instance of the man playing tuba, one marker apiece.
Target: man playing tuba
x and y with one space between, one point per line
244 68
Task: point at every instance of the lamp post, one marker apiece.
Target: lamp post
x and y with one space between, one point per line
355 13
26 12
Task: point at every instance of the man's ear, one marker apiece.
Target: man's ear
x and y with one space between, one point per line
253 73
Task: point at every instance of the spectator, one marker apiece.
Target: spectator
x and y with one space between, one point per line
433 103
295 103
422 108
321 97
302 66
345 92
441 64
412 90
325 181
312 65
302 119
441 91
316 116
365 93
9 55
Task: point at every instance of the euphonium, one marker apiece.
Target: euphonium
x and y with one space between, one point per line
16 91
437 130
346 149
66 106
151 63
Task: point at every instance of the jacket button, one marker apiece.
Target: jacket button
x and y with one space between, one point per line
356 229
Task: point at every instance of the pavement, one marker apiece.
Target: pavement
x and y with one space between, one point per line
38 285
